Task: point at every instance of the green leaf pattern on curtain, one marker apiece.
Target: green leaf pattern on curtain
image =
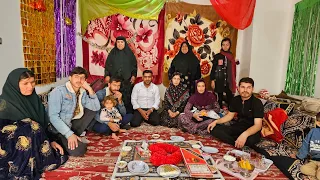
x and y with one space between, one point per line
304 49
139 9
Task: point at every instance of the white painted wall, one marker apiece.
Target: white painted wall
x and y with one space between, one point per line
271 34
11 55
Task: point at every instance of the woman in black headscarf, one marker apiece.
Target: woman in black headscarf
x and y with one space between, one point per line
188 65
122 63
25 149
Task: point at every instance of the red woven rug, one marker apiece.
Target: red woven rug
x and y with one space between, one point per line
103 151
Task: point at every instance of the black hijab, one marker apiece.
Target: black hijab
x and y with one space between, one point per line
186 64
15 106
121 63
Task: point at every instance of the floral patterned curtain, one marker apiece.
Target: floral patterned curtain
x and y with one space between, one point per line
145 38
202 27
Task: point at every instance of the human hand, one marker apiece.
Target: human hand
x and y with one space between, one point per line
211 126
170 113
144 114
113 126
213 85
118 95
220 62
57 147
87 87
196 116
132 80
149 112
73 141
241 140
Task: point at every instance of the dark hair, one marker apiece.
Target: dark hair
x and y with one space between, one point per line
318 117
114 79
246 80
26 74
226 39
79 70
176 74
109 98
147 71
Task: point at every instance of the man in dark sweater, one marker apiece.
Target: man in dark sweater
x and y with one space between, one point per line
247 127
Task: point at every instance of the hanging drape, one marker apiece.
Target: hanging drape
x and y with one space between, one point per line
65 36
304 49
139 9
238 13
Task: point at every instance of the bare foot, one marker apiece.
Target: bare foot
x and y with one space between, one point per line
122 130
114 136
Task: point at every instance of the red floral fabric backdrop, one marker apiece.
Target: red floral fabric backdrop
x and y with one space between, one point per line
145 38
202 27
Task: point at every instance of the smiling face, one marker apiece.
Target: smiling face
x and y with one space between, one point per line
120 44
147 78
184 48
27 85
225 45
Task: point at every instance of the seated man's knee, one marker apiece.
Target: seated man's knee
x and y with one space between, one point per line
134 123
252 140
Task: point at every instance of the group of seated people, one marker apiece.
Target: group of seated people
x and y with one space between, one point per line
34 139
30 133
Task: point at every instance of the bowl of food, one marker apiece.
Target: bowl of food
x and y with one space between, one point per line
155 136
122 164
246 167
229 161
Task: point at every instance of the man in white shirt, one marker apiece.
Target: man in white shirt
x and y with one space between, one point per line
145 99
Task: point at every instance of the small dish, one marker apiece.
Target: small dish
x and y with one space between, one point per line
122 164
126 148
209 149
155 136
196 146
169 171
138 167
177 138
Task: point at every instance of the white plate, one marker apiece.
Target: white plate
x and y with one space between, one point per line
174 174
177 138
209 149
138 167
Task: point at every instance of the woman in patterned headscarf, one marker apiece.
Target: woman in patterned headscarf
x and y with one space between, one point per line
25 149
175 99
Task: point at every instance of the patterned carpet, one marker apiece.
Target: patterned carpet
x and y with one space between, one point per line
99 161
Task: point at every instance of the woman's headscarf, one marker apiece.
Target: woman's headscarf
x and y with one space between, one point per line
121 63
204 99
175 93
185 63
15 106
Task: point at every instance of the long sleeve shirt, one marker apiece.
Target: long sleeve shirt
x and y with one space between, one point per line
145 98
